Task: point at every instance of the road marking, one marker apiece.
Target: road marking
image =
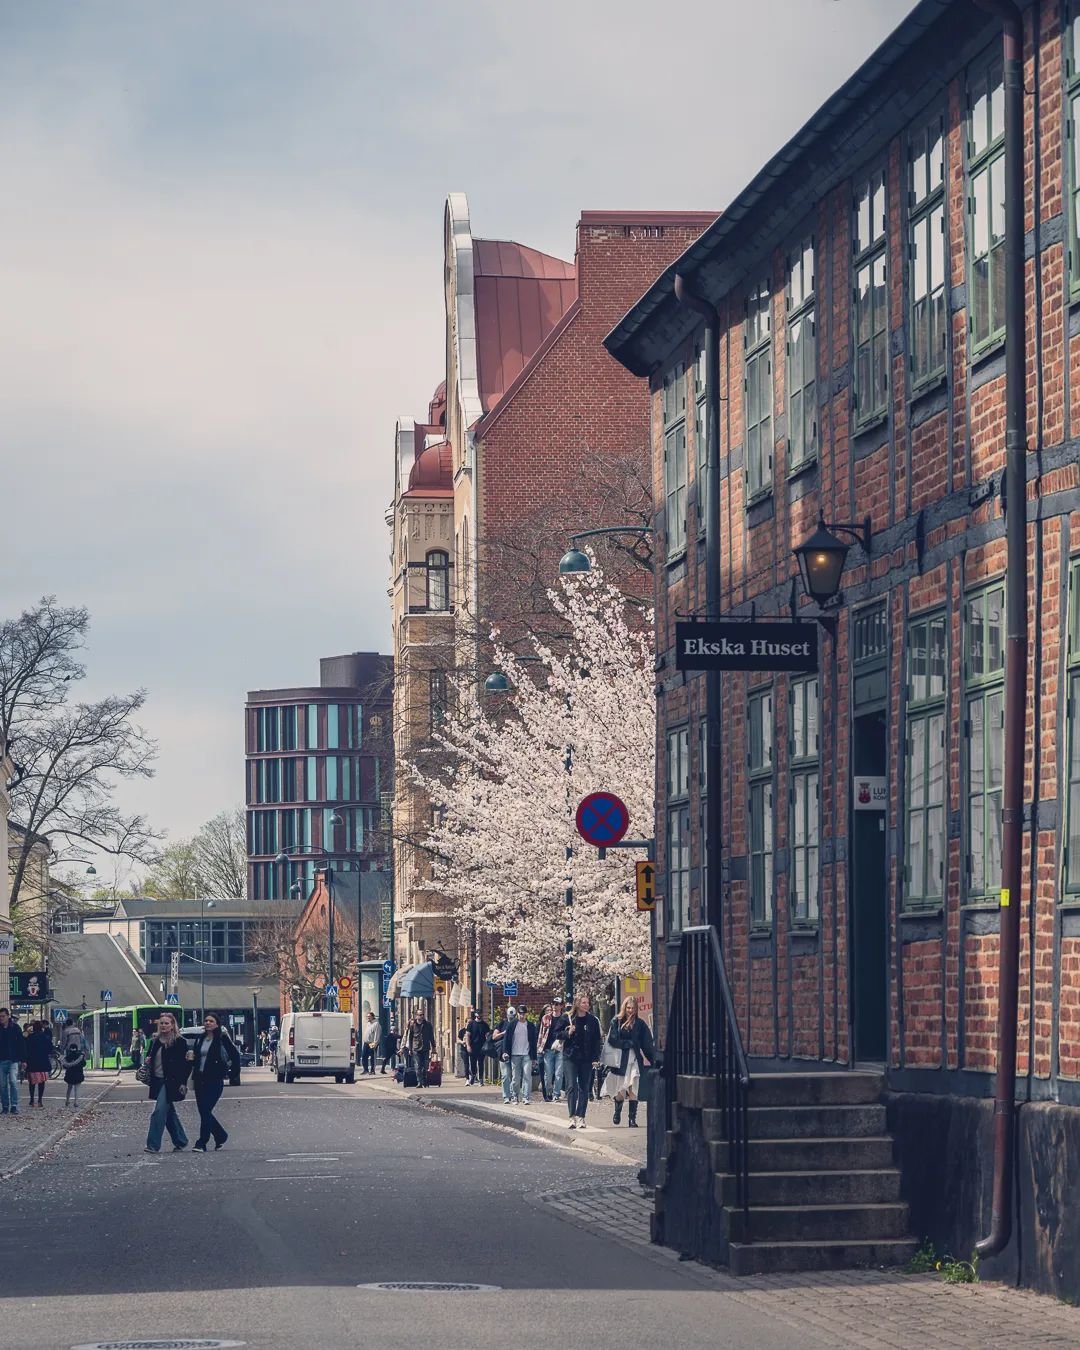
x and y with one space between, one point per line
303 1157
300 1176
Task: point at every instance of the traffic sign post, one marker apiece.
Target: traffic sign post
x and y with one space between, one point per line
172 999
646 885
602 819
510 989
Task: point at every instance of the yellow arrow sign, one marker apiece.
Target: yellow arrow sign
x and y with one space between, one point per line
646 885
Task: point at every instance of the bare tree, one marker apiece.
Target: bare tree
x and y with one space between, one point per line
221 855
69 756
176 874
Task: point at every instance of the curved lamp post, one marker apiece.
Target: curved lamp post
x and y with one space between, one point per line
575 561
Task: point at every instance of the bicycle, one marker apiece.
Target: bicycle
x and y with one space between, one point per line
56 1068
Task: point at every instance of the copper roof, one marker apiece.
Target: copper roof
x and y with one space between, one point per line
520 294
437 406
432 474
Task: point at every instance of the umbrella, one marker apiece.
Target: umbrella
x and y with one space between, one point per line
418 982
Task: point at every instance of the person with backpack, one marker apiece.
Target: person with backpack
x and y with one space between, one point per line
74 1061
215 1059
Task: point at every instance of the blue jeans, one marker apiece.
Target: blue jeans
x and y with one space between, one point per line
521 1076
207 1096
9 1084
507 1068
165 1118
553 1072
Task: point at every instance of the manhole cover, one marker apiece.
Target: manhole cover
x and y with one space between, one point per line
184 1343
430 1287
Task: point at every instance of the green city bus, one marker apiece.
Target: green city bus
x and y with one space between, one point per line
115 1027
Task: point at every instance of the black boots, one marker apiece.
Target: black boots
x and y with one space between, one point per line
618 1111
632 1122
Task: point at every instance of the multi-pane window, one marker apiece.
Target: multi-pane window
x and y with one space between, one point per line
312 724
986 206
1072 97
288 727
804 800
870 317
267 728
925 759
678 829
333 727
1072 710
674 413
926 188
438 579
984 730
218 941
436 698
760 773
703 796
701 448
801 356
263 832
758 389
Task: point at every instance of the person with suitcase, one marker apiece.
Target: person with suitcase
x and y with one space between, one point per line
419 1044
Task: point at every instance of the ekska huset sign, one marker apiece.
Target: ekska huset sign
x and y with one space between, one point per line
746 646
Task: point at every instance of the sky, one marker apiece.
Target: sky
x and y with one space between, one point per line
221 282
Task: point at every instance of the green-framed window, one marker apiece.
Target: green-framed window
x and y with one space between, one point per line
758 389
986 205
759 763
1072 132
801 355
805 837
984 737
1071 857
926 251
674 413
703 801
870 301
701 449
678 829
925 829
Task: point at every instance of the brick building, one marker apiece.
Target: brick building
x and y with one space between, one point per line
534 432
859 281
317 775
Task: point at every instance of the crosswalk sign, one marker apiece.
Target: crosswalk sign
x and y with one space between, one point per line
646 886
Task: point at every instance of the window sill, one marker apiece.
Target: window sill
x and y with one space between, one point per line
1070 905
870 424
928 386
984 353
922 912
676 558
761 930
980 905
803 466
761 495
802 929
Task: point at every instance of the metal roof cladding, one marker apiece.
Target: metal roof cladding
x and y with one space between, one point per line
885 93
432 471
520 295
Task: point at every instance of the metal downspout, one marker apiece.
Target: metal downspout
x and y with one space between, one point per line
686 295
1015 503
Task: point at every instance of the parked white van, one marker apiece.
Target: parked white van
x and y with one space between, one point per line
316 1045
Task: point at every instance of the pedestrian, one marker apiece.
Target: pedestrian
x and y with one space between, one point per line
629 1034
12 1056
215 1059
137 1048
272 1044
264 1048
581 1053
518 1054
72 1032
474 1035
74 1061
389 1049
39 1056
549 1046
166 1073
419 1043
369 1051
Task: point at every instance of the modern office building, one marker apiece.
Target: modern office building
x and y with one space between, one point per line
317 770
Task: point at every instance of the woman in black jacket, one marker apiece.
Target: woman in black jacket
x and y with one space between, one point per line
215 1059
167 1068
581 1053
629 1034
39 1053
473 1036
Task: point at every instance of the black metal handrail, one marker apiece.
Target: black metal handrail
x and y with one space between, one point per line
703 1040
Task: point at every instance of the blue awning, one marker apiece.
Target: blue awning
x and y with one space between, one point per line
418 982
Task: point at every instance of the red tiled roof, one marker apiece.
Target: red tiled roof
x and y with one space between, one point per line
520 294
432 473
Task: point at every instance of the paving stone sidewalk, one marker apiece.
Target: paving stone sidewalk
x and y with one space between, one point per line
37 1128
872 1309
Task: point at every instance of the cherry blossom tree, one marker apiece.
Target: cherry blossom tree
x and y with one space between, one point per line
506 773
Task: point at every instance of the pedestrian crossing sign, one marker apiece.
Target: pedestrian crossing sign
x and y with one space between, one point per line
646 886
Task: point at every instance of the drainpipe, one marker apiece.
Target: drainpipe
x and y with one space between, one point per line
1015 504
713 763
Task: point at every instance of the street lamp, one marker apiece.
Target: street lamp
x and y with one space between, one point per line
821 558
574 561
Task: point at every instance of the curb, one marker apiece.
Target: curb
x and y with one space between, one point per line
491 1115
50 1141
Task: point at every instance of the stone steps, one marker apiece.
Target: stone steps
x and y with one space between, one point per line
811 1155
769 1258
820 1223
870 1186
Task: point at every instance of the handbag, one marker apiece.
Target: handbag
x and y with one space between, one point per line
142 1074
611 1056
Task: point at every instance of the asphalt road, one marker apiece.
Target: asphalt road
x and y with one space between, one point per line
320 1190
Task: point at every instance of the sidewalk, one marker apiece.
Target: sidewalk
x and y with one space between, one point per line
546 1120
35 1130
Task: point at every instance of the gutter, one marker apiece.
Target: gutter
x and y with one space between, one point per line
1016 569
